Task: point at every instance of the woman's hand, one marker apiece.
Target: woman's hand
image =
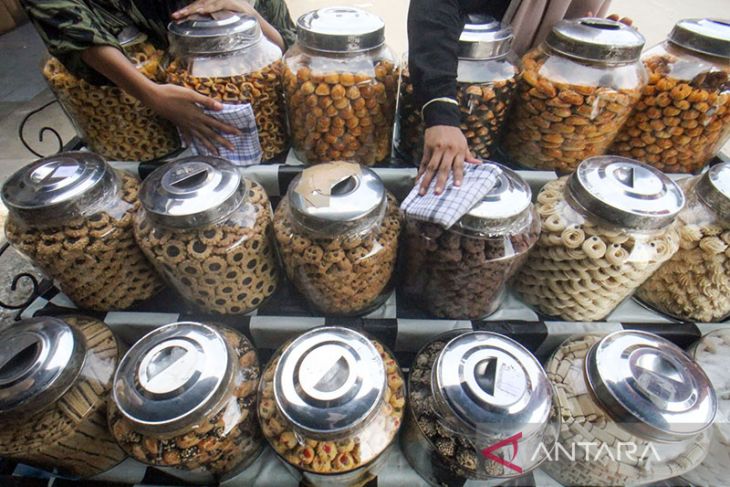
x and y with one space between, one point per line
212 6
444 150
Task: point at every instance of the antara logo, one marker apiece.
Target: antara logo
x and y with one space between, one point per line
512 440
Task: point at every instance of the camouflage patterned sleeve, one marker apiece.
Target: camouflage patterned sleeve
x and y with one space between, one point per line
277 14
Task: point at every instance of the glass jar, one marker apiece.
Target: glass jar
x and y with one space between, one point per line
55 378
683 118
112 123
71 215
209 233
226 57
636 409
330 404
576 91
340 81
468 391
337 230
184 397
605 230
462 272
485 86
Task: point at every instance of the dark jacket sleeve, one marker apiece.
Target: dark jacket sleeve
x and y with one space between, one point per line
277 14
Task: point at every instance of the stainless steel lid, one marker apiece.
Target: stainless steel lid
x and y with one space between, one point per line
707 36
596 39
650 386
329 381
713 189
192 192
484 37
131 36
215 33
173 377
39 360
340 29
626 193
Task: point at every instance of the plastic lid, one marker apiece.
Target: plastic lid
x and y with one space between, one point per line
651 386
329 381
596 39
626 193
192 192
707 36
713 189
484 37
340 29
218 32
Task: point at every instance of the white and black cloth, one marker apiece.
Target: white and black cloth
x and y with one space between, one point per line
246 147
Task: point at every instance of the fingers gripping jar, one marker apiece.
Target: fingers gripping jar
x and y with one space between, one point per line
635 410
605 230
71 215
331 404
340 81
575 92
185 397
337 230
462 272
683 118
208 232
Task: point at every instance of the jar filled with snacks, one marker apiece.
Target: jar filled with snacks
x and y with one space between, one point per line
209 233
485 85
635 410
605 230
462 272
337 230
576 91
340 81
693 285
683 118
226 57
55 378
330 404
185 397
112 123
71 214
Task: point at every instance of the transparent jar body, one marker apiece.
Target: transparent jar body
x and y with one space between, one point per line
694 284
582 268
91 255
227 267
226 437
606 452
683 118
342 274
349 459
113 123
566 111
341 106
71 434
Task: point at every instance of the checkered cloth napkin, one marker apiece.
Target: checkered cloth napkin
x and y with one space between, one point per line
247 148
455 201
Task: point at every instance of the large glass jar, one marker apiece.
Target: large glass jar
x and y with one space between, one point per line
226 57
337 230
694 284
71 214
485 85
185 398
111 122
635 410
683 118
605 230
330 404
340 81
55 379
576 91
209 233
462 272
469 391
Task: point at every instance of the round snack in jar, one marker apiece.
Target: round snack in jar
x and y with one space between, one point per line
184 401
340 86
605 230
330 404
635 408
575 92
55 378
208 232
683 118
462 272
71 215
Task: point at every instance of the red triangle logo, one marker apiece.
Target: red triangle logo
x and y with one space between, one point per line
512 440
